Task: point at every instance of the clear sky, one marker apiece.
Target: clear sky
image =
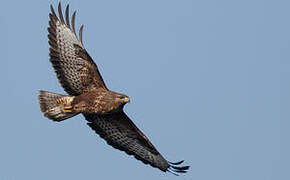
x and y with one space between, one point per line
209 82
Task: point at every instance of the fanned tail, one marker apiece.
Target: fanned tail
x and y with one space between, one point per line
55 106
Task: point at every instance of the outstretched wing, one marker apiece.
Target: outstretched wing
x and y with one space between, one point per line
74 67
121 133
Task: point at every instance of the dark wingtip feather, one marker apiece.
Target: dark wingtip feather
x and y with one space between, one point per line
60 13
182 168
172 172
81 34
52 10
176 163
53 13
67 16
177 169
73 22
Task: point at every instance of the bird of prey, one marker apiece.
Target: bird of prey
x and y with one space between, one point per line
88 95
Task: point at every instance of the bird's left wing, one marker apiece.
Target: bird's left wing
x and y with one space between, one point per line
74 67
121 133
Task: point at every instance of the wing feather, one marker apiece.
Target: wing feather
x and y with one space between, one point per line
121 133
67 16
74 67
73 22
81 34
60 13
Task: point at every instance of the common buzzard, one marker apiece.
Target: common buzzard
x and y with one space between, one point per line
88 94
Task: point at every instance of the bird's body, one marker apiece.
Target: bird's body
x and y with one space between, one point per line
88 95
99 101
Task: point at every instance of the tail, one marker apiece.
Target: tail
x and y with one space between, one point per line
54 106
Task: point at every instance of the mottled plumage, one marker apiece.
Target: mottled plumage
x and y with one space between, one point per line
88 94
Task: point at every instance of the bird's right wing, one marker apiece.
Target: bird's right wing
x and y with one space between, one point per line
74 67
121 133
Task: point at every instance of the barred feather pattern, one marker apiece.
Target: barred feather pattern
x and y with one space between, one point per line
121 133
74 67
52 105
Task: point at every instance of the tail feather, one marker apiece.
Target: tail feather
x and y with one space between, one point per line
52 105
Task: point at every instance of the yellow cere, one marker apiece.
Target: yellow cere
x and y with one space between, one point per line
127 99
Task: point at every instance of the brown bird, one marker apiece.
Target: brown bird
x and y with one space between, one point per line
88 95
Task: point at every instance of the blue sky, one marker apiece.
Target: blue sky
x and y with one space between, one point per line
209 82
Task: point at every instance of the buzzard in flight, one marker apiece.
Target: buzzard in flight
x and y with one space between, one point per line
88 94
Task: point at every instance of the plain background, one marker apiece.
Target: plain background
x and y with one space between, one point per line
209 82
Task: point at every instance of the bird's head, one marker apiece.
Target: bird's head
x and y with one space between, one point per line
122 98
